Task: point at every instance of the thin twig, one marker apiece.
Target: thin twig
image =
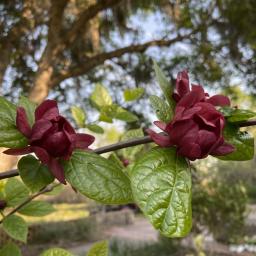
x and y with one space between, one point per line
117 146
28 200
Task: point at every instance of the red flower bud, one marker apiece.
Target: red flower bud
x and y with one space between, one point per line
197 127
3 204
51 137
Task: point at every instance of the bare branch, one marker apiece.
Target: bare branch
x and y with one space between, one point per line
117 146
55 22
28 200
98 59
87 15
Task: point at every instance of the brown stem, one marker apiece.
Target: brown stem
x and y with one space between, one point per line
28 200
117 146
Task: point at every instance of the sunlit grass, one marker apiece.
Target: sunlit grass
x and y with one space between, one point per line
64 212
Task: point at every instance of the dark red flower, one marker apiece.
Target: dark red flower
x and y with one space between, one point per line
51 137
197 127
3 204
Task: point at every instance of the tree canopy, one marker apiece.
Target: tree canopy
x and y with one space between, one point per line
58 46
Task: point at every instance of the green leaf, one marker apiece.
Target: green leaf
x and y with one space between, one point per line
243 142
133 94
108 113
161 185
56 252
97 178
10 249
34 174
100 96
99 249
130 153
16 227
95 128
162 110
37 209
165 86
115 159
15 192
125 115
79 116
235 115
30 108
10 137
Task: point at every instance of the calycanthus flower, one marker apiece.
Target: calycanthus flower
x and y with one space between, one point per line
51 137
197 127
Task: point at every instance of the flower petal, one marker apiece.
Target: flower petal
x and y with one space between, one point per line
22 122
39 129
57 170
219 100
18 151
47 110
182 85
224 149
82 140
42 154
192 151
160 125
161 140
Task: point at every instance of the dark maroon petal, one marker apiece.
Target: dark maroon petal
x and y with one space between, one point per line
42 154
178 130
182 84
191 98
47 110
22 122
189 113
205 121
56 144
68 127
219 100
18 151
160 125
57 170
161 140
39 129
82 140
224 149
192 151
206 141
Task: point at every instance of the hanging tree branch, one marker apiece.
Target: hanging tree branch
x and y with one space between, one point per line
116 146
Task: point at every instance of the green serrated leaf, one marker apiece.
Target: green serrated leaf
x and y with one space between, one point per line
34 174
115 159
165 86
130 153
125 115
10 249
79 116
235 115
37 209
97 178
56 252
162 110
16 227
10 137
243 142
133 94
108 113
100 97
15 192
95 128
161 185
99 249
30 108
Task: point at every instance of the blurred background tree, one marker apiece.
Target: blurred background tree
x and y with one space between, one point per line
64 46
